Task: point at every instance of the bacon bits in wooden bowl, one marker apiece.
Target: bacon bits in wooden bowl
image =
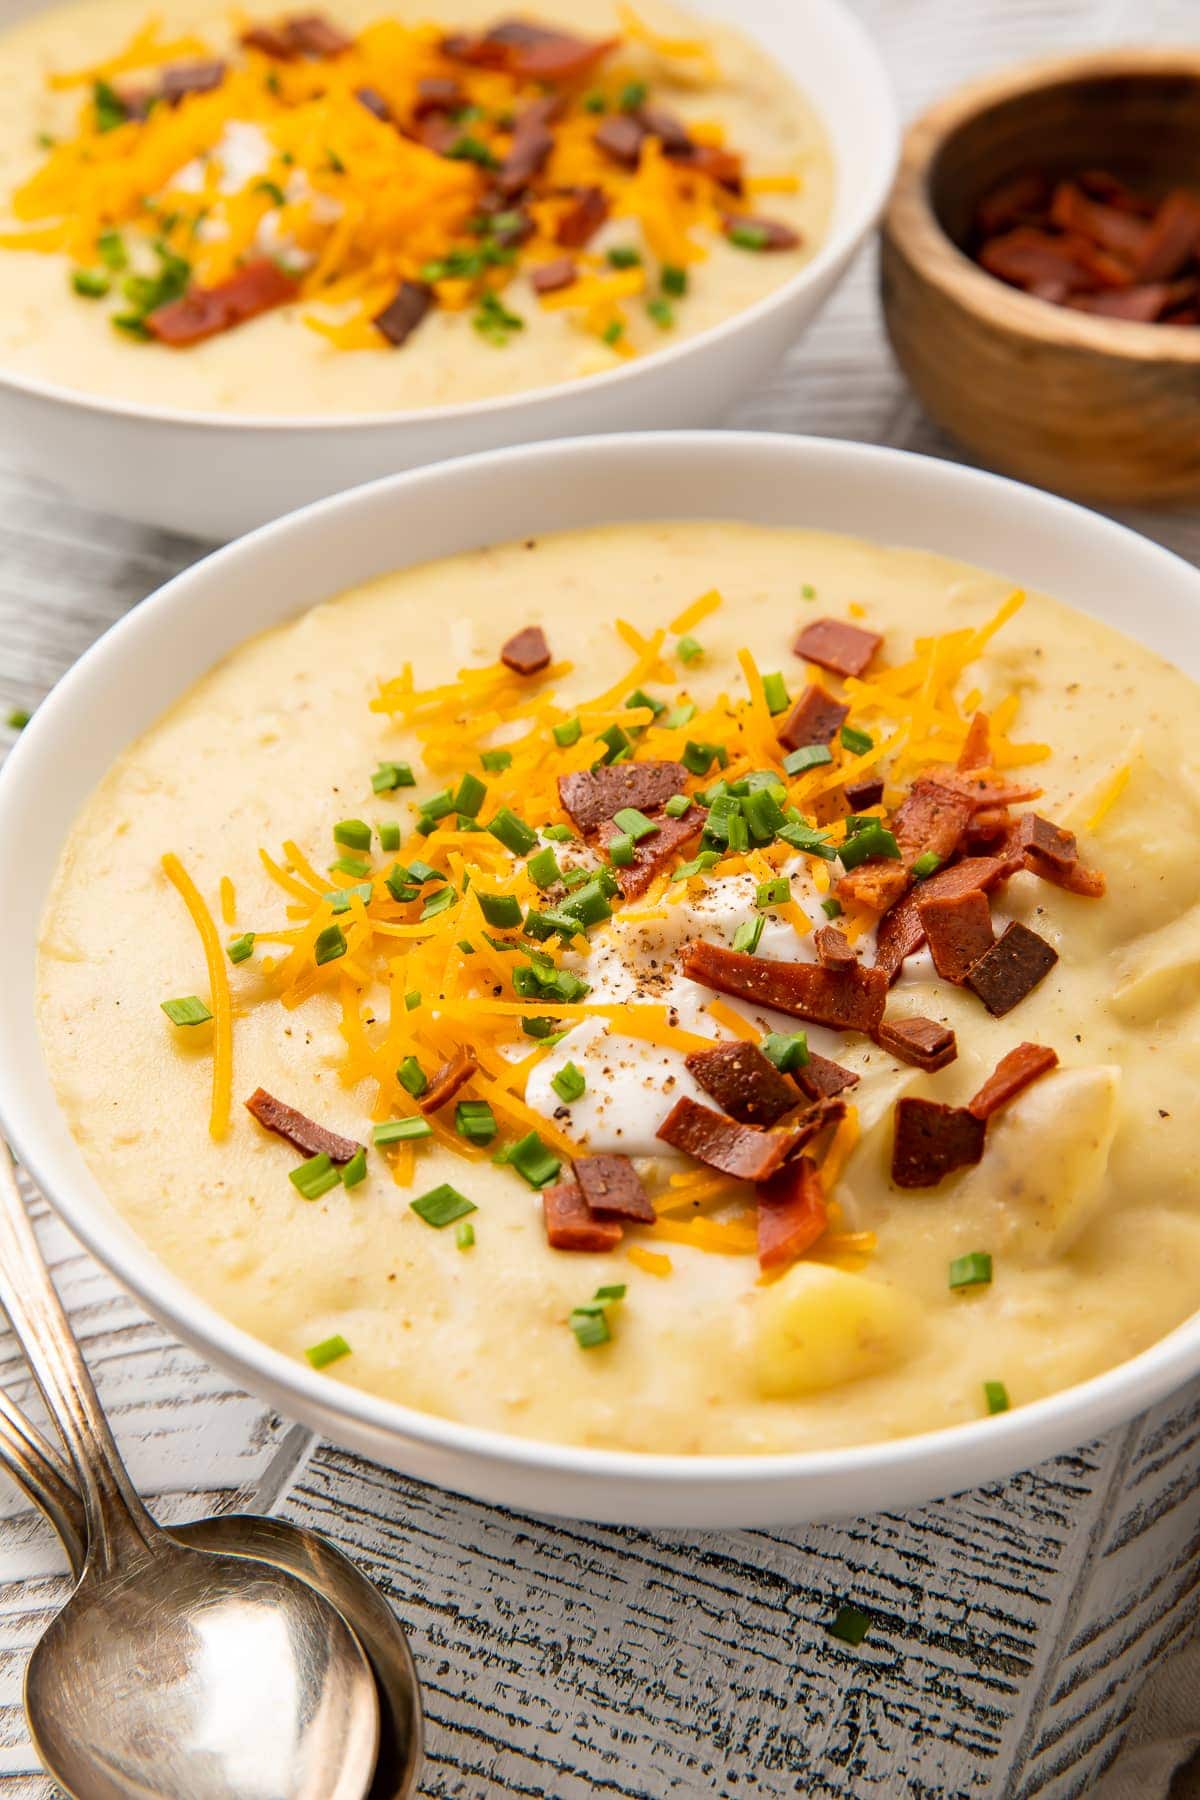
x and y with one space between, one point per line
1041 272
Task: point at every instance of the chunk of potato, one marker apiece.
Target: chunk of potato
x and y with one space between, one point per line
819 1327
1047 1159
1159 975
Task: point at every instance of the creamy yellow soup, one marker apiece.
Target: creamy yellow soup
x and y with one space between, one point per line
1086 1197
322 354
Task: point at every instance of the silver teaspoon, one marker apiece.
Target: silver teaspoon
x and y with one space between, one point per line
174 1673
46 1481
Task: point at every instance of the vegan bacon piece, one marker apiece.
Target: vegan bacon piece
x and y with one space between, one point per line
932 819
304 34
203 312
583 219
922 1042
862 795
181 79
1049 851
853 1001
816 718
658 851
593 796
375 103
570 1224
771 234
528 52
878 884
298 1129
977 747
833 644
621 137
1012 1074
822 1079
725 168
526 651
404 312
901 932
959 930
833 947
744 1082
612 1188
438 93
532 142
670 131
549 277
743 1151
932 1140
445 1084
1012 968
792 1213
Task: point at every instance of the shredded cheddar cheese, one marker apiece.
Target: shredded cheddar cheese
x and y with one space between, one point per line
218 978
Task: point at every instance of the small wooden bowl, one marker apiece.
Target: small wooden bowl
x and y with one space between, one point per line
1099 408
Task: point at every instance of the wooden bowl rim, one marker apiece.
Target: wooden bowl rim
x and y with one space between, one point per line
912 226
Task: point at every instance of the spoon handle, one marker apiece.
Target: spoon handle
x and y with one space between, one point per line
44 1479
116 1518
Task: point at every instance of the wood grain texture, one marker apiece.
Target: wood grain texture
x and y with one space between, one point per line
1012 1625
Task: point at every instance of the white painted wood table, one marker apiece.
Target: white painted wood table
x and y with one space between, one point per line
1011 1626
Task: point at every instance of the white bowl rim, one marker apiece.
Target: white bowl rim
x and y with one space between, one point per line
1011 1440
839 244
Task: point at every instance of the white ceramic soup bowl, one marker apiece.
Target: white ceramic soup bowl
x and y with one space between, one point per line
215 475
153 656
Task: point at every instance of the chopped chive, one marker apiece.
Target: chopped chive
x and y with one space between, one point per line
110 248
679 715
475 1121
239 948
832 907
632 95
873 840
315 1177
412 1077
90 284
593 101
109 106
559 834
472 149
437 903
635 823
676 806
772 893
624 256
513 832
674 280
750 237
534 1161
401 1131
569 1084
391 775
464 1237
466 946
747 935
356 1169
355 834
662 312
495 761
412 1000
851 1625
18 719
569 732
926 864
470 796
619 744
972 1270
188 1011
775 693
640 697
350 865
613 332
689 649
272 190
389 835
808 591
620 850
857 741
543 868
442 1206
808 756
330 944
502 910
996 1395
788 1050
329 1350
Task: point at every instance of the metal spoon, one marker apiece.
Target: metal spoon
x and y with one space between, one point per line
174 1673
45 1480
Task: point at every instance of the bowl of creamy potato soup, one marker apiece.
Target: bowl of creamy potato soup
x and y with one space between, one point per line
656 977
422 224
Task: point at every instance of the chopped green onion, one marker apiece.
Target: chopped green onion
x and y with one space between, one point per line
442 1206
90 284
188 1011
593 101
619 744
747 935
18 719
389 835
470 796
698 758
329 1350
272 190
412 1077
494 321
464 1237
808 591
239 948
750 237
412 1000
539 1027
972 1270
689 649
832 907
632 95
330 944
996 1395
472 149
502 910
390 775
851 1625
399 886
620 850
110 108
315 1177
569 732
569 1084
466 946
350 865
699 865
110 248
532 980
857 741
559 834
590 1328
624 256
589 904
438 806
543 868
640 697
763 814
437 903
495 761
926 864
613 332
775 693
674 280
475 1121
676 806
513 832
662 312
339 899
788 1050
635 823
873 840
808 756
356 1169
355 834
533 1160
402 1131
679 715
775 892
423 872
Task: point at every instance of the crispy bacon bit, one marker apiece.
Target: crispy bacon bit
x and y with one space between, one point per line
583 219
769 234
834 949
1012 968
816 718
922 1042
901 932
621 137
203 312
593 796
959 930
792 1213
612 1188
976 752
532 142
450 1077
822 1079
834 644
375 103
402 314
658 851
876 884
307 34
853 1001
743 1151
298 1129
862 795
932 818
932 1140
570 1224
526 651
1011 1075
528 52
549 277
438 93
744 1082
